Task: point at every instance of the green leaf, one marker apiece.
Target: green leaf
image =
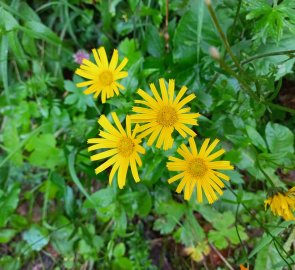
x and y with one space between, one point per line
40 31
27 13
256 138
191 231
154 43
8 203
37 237
171 212
122 263
7 21
63 238
279 138
129 48
267 258
10 263
77 97
120 218
44 153
11 142
6 235
267 238
16 48
270 20
101 198
144 203
4 64
119 250
187 40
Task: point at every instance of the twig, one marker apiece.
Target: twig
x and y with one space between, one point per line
221 257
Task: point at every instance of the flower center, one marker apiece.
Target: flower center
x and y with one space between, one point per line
167 116
125 146
106 78
197 167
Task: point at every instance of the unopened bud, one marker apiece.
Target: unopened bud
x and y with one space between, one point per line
208 2
214 53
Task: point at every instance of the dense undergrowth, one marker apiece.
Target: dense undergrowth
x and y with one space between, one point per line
237 57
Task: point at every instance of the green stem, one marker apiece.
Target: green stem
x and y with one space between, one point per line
258 56
279 107
223 37
265 174
237 14
243 84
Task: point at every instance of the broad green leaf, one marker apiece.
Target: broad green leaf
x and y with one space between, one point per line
63 238
279 138
100 198
27 13
44 153
37 237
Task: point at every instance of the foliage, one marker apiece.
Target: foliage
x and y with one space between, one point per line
55 213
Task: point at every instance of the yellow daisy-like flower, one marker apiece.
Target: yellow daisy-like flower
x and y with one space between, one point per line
164 114
103 75
198 169
282 203
123 147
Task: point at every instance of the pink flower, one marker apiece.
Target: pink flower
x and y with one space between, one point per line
80 55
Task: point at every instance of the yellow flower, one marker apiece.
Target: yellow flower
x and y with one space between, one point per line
123 147
198 169
164 114
282 203
103 75
198 252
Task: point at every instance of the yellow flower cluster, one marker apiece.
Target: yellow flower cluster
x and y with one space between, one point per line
156 117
